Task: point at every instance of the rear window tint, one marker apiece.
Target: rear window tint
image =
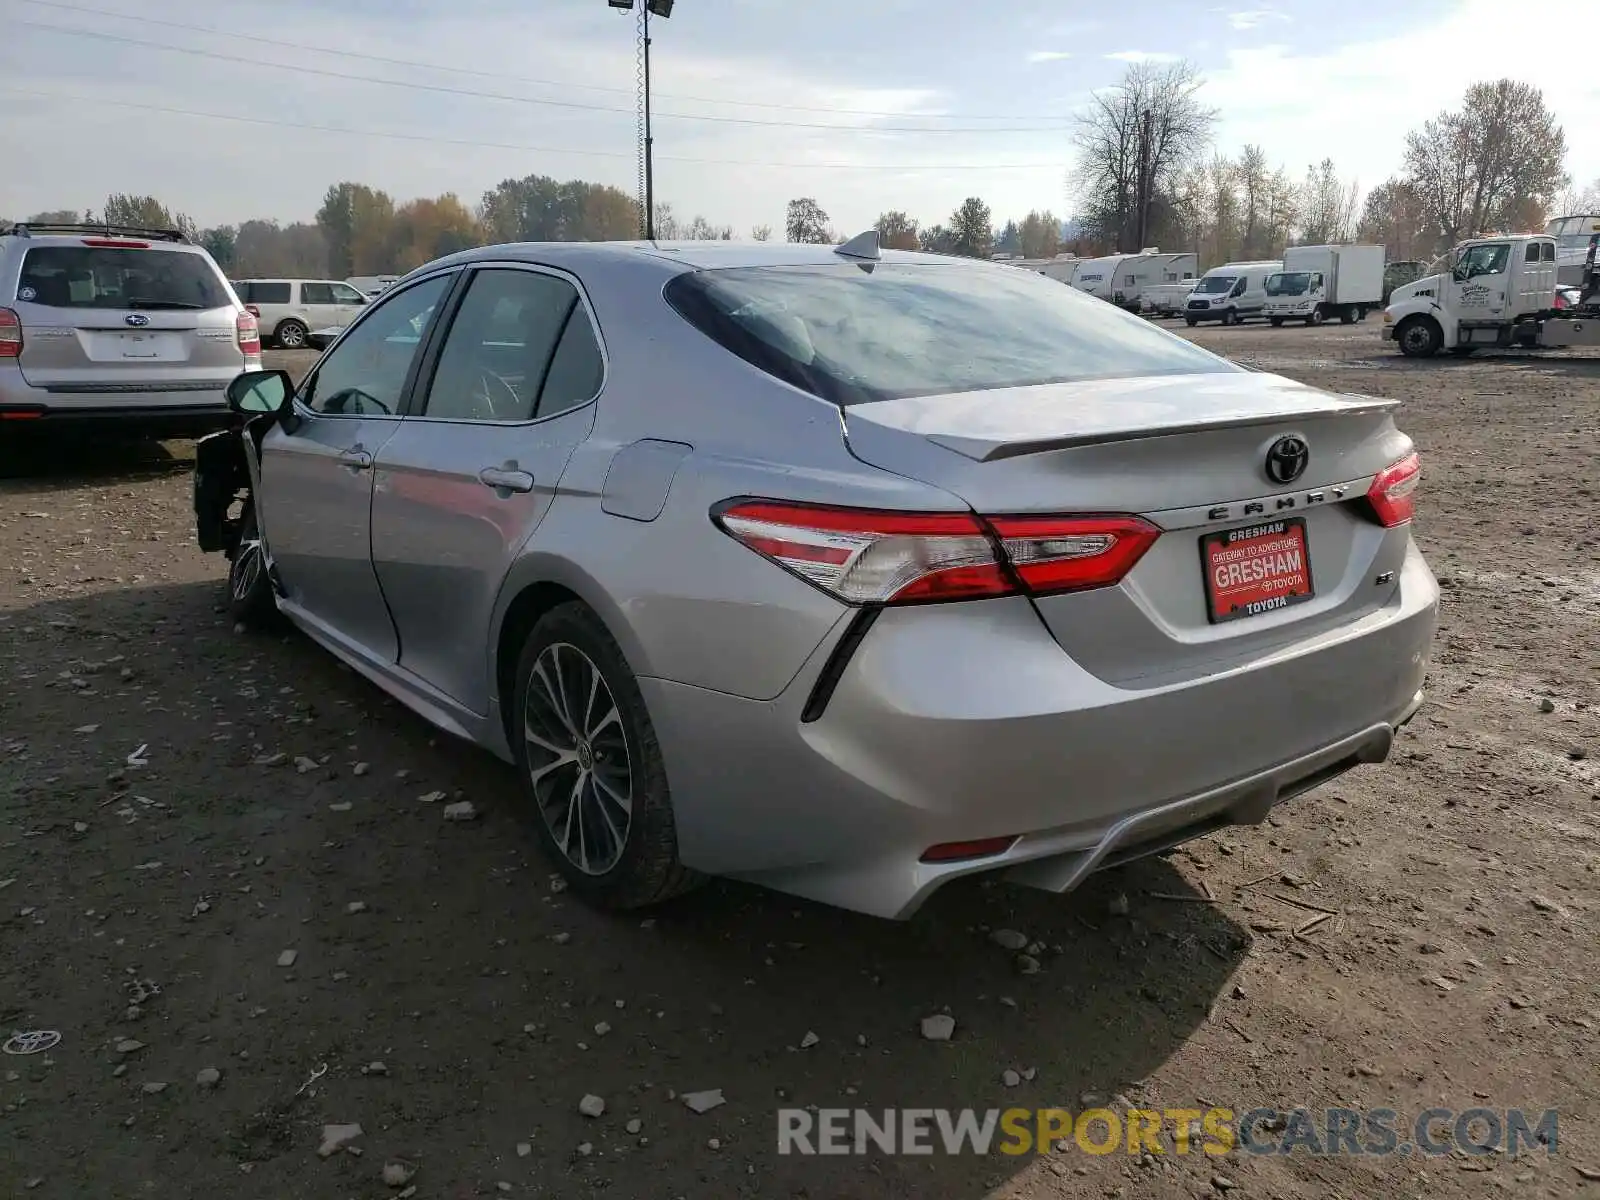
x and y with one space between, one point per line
94 277
264 293
854 335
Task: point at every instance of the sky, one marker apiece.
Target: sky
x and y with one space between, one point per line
227 111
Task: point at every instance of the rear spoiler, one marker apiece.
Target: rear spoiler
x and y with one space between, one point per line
31 228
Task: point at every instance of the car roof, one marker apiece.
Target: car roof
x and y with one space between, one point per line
690 256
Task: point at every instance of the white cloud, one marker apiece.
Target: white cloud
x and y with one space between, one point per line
1254 17
1141 56
1044 56
1355 103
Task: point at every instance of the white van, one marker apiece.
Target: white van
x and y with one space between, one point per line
1231 293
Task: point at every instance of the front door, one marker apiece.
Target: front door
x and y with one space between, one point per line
317 471
1478 285
475 467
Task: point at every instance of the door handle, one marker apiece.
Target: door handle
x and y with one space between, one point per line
356 458
506 478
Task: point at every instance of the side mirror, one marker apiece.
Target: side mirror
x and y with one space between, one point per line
256 393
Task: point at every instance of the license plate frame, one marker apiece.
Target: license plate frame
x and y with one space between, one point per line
1244 601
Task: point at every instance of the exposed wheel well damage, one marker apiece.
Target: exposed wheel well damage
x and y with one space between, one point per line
523 614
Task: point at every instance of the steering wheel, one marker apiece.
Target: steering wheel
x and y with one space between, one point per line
488 384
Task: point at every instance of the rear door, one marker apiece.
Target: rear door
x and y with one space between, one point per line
347 303
472 471
107 317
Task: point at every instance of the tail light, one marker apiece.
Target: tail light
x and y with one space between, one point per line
1393 491
10 334
249 334
253 311
115 244
865 556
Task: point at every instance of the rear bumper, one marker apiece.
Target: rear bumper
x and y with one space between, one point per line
952 725
181 410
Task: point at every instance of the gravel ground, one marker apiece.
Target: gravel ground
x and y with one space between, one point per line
222 881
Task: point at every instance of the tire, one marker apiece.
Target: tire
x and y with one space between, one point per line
1230 317
291 335
627 868
1275 322
1347 316
250 599
1419 337
1191 322
1315 318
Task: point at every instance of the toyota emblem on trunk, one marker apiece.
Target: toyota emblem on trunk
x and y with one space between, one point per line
136 319
1287 459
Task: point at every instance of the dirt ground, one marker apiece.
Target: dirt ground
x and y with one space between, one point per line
161 851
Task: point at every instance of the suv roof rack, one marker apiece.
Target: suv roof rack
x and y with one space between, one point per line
30 228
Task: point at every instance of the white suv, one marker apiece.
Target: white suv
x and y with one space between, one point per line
105 322
288 309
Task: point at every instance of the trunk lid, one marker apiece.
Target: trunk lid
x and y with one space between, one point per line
117 319
1190 454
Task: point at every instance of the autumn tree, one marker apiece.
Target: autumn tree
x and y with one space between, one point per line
1395 217
971 233
936 239
1474 166
1142 131
146 212
897 231
1040 235
806 221
539 208
424 230
358 224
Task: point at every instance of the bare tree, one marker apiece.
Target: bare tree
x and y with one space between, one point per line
807 222
897 231
1475 168
1132 142
761 233
1571 201
1327 206
702 230
1254 180
668 227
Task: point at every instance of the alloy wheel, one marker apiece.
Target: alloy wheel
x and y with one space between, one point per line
578 758
249 561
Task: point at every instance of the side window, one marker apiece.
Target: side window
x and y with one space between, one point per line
343 293
242 290
316 293
1238 288
506 339
577 369
1531 254
1487 260
269 293
365 374
1549 251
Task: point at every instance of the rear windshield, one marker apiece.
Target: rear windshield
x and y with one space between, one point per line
1215 285
95 277
853 334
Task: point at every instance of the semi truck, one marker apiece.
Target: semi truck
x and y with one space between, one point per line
1494 293
1319 282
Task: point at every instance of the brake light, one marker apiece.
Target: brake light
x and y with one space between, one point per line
10 334
1393 491
865 556
253 311
115 244
249 335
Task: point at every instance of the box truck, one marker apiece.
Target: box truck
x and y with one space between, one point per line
1318 282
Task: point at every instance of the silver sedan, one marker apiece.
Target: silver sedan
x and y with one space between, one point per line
842 571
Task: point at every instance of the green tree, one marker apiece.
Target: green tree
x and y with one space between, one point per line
972 235
936 239
357 223
146 212
221 244
1010 239
807 222
56 216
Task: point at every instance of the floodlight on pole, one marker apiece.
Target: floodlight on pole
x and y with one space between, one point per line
647 9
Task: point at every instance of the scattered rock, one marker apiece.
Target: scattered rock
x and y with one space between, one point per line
153 1089
1547 906
809 1040
939 1027
305 765
634 1126
356 906
1010 1078
398 1174
703 1102
524 1149
1369 1072
208 1078
336 1138
377 1067
461 810
561 939
1547 705
592 1106
129 1046
431 797
1009 939
713 1143
585 1148
1222 1183
286 959
341 806
362 768
601 1029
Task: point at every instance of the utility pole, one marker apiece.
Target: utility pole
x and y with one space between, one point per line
649 143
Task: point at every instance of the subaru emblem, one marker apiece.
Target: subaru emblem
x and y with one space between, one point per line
137 319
